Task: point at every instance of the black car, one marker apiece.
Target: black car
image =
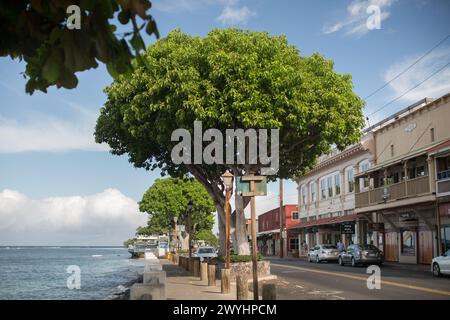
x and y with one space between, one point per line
356 254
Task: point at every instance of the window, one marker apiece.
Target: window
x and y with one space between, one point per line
432 134
330 186
408 243
350 180
294 215
293 244
443 168
364 182
392 150
313 192
323 189
337 184
304 195
445 238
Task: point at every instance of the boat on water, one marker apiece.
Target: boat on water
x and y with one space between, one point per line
159 245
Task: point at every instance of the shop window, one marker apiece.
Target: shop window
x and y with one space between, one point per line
408 243
445 238
293 244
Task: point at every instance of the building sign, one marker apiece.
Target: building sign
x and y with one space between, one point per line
375 227
408 223
243 187
348 228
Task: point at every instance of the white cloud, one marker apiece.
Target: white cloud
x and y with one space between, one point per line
105 218
46 133
435 87
355 23
232 15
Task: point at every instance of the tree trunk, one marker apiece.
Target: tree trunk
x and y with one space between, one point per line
242 246
184 241
221 224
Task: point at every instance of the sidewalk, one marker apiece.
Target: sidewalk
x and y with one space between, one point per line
181 285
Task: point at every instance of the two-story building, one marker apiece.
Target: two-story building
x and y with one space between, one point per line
269 230
406 192
326 197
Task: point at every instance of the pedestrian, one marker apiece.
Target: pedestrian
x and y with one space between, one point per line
340 246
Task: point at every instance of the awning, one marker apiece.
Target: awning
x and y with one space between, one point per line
267 232
324 221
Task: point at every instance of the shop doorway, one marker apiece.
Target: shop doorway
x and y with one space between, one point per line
391 247
425 247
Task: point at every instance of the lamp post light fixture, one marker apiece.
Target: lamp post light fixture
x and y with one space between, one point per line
228 182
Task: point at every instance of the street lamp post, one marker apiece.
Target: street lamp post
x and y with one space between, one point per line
228 182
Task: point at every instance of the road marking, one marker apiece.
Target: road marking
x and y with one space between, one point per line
389 283
285 282
327 293
301 287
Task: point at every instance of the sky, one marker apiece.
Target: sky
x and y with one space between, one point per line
58 187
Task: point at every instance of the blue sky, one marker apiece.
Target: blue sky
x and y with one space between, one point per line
51 168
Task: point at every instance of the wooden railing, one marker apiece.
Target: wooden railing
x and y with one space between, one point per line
404 189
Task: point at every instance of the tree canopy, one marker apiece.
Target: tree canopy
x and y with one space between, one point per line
36 31
229 79
168 198
208 236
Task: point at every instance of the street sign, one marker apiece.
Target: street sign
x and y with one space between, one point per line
347 228
243 186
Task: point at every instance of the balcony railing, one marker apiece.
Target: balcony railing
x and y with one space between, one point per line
404 189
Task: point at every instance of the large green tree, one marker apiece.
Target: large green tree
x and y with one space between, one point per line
169 198
230 79
37 32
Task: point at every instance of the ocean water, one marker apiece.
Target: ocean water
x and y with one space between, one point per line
41 272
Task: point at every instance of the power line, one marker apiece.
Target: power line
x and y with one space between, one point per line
409 67
411 89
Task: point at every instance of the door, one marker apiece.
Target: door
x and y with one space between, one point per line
391 247
425 247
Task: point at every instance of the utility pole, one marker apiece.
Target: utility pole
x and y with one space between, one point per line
281 219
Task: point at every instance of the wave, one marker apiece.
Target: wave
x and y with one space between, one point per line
96 255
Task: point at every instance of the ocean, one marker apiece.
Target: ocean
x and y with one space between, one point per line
65 273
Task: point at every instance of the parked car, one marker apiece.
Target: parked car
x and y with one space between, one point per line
323 252
441 265
356 254
205 253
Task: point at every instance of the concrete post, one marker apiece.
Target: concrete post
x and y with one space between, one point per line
211 275
269 291
203 271
225 281
196 267
241 287
154 277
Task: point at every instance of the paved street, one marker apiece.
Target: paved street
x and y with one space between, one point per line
298 279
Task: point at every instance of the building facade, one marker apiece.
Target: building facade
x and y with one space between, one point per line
326 197
405 194
269 231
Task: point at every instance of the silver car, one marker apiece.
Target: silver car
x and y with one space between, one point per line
205 253
323 252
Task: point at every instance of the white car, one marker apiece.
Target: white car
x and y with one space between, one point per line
205 253
323 252
441 264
